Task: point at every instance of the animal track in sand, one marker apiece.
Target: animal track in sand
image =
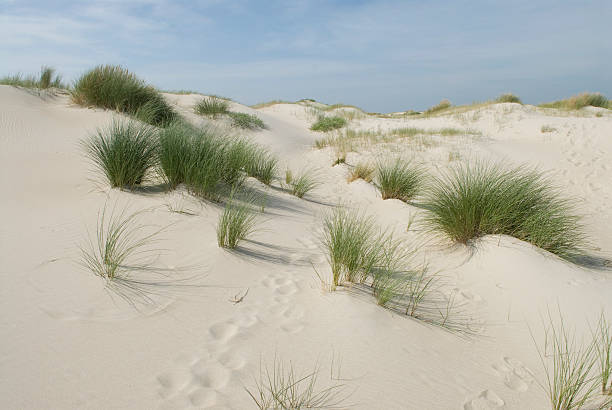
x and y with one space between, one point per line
486 400
516 376
223 332
283 288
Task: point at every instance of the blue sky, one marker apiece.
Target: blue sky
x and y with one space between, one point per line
381 55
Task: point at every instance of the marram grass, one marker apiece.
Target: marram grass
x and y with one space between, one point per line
246 121
363 171
302 183
325 124
237 222
46 79
212 106
399 179
478 199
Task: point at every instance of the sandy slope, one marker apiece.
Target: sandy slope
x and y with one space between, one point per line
69 342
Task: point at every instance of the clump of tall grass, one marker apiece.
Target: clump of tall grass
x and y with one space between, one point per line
212 106
399 179
237 221
115 88
121 245
246 121
47 78
301 183
125 151
442 105
578 375
363 171
261 165
508 98
283 388
579 101
479 199
325 124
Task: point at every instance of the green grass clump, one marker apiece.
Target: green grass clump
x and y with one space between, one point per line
399 179
212 106
302 183
480 199
580 101
115 88
176 152
363 171
237 221
46 79
328 124
508 98
442 105
261 165
125 152
246 121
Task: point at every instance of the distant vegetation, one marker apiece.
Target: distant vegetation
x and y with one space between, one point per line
508 98
246 121
46 79
212 106
479 199
442 105
115 88
580 101
328 123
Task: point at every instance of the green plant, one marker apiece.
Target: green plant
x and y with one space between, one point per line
547 128
442 105
121 245
125 152
237 221
399 179
479 199
282 388
246 121
261 164
579 101
176 143
602 337
47 79
508 98
328 123
212 106
302 183
363 171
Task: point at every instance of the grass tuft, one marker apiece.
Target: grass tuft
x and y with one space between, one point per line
212 106
508 98
442 105
475 200
125 152
115 88
301 183
325 124
363 171
237 221
579 101
246 121
399 179
46 79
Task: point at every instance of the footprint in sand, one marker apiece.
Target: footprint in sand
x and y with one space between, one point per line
486 400
516 376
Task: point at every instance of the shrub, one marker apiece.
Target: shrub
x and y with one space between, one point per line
508 98
442 105
246 121
476 200
362 171
236 222
212 106
302 183
328 123
579 101
47 79
399 180
124 152
115 88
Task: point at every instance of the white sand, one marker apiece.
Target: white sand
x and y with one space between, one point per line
68 342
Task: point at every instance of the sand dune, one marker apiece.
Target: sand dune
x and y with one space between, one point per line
180 341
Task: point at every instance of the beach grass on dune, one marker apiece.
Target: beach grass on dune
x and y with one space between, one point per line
47 78
115 88
124 151
508 98
325 124
579 101
261 165
302 183
399 179
478 199
237 221
246 121
212 106
442 105
121 245
363 171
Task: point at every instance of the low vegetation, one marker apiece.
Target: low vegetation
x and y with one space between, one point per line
547 128
399 179
47 78
246 121
301 183
363 171
237 221
508 98
577 372
479 199
115 88
325 124
442 105
125 151
580 101
212 106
